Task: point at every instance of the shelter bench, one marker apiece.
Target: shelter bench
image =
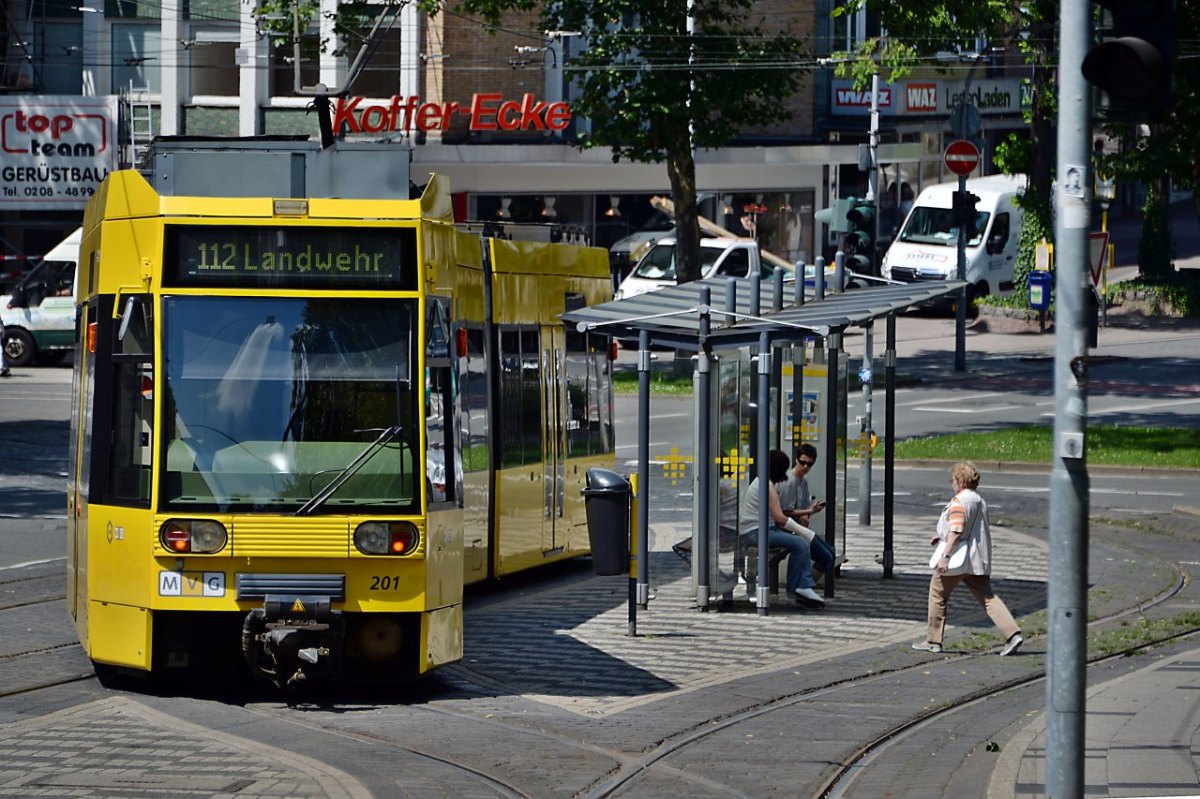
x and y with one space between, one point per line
747 558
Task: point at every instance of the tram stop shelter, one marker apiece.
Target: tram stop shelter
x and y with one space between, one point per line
765 326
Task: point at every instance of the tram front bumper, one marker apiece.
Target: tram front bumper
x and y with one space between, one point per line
294 638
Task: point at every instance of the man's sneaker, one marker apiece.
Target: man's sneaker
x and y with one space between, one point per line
1012 645
927 646
809 598
4 372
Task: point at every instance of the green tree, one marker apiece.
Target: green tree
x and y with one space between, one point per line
919 30
653 93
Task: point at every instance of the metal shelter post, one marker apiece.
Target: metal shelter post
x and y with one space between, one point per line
643 472
763 470
834 342
889 448
865 377
703 450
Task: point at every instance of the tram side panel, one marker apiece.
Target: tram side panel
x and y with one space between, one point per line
441 626
540 476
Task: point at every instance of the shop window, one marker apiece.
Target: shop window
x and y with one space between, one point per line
135 52
380 76
211 55
282 74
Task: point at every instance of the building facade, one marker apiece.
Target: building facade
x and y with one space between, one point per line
213 68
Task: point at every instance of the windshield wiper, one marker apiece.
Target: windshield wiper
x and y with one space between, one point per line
350 470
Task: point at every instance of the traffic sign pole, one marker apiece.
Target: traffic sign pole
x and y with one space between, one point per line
961 158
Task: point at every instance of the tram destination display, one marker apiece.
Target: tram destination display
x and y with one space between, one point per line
290 257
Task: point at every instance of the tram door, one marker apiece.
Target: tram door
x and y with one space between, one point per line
556 526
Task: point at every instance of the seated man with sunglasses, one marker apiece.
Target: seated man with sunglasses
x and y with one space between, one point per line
797 503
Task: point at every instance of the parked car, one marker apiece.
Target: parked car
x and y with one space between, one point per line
39 313
656 269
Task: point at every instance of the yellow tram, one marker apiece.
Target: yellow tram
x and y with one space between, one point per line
302 424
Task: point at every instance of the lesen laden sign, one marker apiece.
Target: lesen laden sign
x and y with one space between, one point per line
485 112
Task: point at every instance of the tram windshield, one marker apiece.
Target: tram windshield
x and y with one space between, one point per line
280 404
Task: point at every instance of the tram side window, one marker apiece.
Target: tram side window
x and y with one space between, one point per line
474 433
441 465
520 398
589 379
131 454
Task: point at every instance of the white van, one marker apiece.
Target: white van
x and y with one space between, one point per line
926 248
39 314
718 256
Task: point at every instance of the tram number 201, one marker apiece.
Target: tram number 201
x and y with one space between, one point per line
385 583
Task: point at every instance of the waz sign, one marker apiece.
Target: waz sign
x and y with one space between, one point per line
485 112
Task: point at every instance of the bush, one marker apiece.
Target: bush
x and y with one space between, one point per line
1174 294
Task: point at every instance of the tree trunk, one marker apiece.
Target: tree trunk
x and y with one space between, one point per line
1155 247
681 169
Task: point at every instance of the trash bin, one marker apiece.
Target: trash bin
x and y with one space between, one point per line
1041 284
606 500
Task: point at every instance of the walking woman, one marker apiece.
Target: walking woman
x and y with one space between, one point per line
965 519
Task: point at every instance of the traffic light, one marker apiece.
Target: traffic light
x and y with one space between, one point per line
962 207
1133 65
859 243
835 216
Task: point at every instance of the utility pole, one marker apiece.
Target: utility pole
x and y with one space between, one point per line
1066 650
864 477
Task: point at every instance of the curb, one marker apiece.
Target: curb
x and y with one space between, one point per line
1027 467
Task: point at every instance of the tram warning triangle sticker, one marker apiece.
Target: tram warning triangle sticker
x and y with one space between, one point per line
297 606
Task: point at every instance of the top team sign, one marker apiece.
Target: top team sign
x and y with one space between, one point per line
56 150
485 112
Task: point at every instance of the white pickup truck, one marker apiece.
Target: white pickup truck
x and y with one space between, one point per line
39 314
731 257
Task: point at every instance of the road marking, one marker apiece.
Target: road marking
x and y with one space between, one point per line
1145 406
31 563
620 447
957 399
977 409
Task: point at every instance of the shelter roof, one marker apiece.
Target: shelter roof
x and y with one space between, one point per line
673 315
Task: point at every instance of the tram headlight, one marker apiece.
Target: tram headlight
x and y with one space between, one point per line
386 538
193 536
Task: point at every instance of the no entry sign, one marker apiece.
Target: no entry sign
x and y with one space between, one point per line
961 157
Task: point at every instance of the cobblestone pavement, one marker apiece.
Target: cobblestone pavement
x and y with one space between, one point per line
118 747
579 635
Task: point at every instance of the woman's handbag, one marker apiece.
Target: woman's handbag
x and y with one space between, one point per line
958 558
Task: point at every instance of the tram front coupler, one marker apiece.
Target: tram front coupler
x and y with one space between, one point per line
294 639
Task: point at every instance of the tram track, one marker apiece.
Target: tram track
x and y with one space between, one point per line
628 771
833 785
